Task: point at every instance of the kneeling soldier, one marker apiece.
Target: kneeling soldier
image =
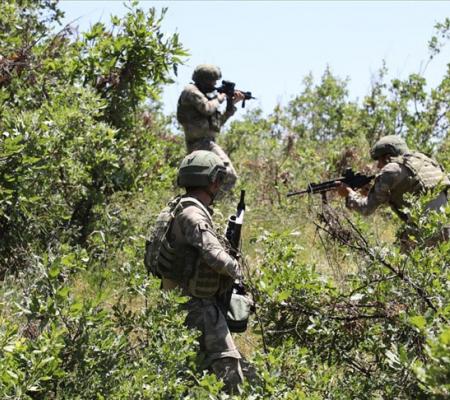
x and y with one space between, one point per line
401 171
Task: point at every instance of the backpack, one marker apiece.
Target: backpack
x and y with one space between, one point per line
161 258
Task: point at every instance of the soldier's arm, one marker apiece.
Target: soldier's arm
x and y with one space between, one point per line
201 103
201 235
227 114
231 108
380 192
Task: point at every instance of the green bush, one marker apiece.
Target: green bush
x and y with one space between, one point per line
87 160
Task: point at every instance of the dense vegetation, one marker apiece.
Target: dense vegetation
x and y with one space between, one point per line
87 160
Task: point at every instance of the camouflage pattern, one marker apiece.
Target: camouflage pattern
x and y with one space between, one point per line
201 168
205 73
199 115
168 258
410 173
216 342
214 272
390 145
193 227
425 170
211 145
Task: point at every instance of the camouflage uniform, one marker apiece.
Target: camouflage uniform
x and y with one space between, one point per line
202 120
409 173
213 272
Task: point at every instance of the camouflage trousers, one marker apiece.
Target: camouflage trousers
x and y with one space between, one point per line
210 145
217 349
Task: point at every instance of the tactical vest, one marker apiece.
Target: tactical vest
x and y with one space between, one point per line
425 174
169 255
195 124
163 258
203 281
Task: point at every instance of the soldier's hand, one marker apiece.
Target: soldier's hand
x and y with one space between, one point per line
238 256
221 97
238 96
343 190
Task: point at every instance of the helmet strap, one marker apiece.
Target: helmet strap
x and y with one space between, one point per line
211 195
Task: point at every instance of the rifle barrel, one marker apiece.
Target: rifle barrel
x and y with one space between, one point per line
298 192
355 181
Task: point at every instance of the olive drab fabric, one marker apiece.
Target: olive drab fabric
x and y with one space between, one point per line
410 173
156 240
199 114
214 269
164 259
200 168
205 73
212 146
425 174
426 171
390 145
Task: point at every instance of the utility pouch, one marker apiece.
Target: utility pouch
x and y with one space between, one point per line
238 313
237 308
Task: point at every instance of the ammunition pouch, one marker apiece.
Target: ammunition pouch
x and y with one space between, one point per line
177 263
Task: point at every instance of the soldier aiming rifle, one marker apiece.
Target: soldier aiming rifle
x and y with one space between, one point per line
402 171
199 114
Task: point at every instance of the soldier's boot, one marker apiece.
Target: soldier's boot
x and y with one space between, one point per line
248 370
229 371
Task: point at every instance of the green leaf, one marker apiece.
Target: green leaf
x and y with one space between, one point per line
418 321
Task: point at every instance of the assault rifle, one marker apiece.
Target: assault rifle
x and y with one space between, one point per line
353 179
228 88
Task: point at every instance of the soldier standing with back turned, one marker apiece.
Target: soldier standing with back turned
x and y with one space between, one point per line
199 114
401 171
193 257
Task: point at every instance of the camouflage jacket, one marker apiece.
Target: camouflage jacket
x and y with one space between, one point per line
214 268
410 173
199 115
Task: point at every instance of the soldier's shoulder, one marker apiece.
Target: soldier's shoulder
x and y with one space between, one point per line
392 173
191 88
193 213
395 166
191 93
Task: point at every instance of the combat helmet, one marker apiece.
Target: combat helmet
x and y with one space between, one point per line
200 168
391 145
206 73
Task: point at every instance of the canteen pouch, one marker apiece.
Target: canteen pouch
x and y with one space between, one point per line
238 312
